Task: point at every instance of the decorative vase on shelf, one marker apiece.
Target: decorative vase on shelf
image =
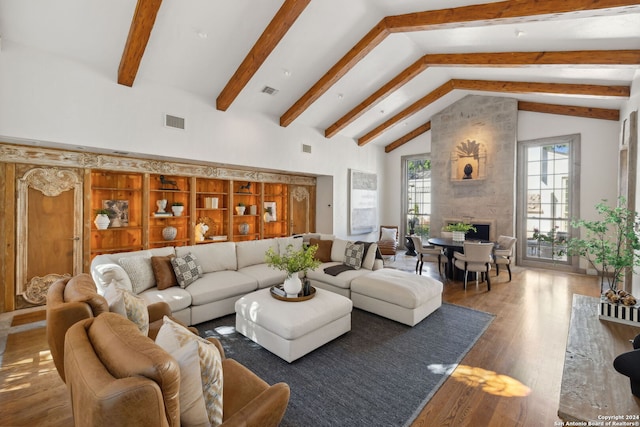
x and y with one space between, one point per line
243 228
169 233
162 204
177 210
292 285
240 210
102 221
253 210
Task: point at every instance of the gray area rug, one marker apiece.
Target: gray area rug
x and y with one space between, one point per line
381 373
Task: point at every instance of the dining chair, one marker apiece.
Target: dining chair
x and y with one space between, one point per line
477 258
503 252
430 253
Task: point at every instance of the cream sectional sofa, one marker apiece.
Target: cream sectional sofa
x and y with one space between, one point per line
230 271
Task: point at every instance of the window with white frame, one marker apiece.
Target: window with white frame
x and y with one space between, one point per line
416 203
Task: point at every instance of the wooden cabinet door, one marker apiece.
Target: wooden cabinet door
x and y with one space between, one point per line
49 232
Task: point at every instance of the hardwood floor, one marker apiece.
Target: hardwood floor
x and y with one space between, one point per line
511 377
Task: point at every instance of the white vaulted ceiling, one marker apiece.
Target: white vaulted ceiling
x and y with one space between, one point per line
198 45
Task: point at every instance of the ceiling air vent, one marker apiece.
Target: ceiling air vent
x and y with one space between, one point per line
174 121
269 90
306 148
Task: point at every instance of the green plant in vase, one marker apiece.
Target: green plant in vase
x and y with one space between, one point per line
293 262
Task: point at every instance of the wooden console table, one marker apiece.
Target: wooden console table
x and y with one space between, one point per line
591 388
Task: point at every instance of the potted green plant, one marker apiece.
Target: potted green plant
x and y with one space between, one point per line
102 220
177 208
459 229
610 244
293 262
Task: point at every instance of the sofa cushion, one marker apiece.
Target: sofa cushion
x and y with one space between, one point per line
171 337
338 249
163 271
187 269
220 285
104 274
128 305
323 254
264 275
213 256
353 255
397 287
342 280
251 252
369 259
177 298
139 270
284 242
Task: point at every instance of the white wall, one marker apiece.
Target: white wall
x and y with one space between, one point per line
55 100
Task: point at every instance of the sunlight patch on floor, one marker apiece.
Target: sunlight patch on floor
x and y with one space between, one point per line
489 381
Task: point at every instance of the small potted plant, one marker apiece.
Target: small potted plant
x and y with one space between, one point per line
293 262
459 230
177 208
240 209
102 220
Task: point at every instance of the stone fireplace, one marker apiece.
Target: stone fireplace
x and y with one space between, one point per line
486 196
485 228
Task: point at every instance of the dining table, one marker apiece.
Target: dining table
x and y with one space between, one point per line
450 246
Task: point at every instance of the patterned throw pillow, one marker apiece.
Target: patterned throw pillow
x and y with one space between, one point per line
139 270
129 305
353 255
173 336
187 269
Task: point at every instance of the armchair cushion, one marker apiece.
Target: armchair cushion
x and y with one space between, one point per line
193 411
387 234
128 305
173 336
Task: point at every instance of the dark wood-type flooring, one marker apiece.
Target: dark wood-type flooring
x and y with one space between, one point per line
511 377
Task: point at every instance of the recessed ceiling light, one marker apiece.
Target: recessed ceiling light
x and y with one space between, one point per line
287 73
202 34
519 33
340 96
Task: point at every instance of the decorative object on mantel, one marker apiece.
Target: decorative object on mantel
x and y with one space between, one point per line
245 189
169 233
177 208
240 209
168 184
293 262
243 228
611 246
102 220
459 230
470 157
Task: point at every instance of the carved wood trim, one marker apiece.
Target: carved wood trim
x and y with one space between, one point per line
37 288
64 158
51 182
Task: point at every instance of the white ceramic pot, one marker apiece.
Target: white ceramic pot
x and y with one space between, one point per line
240 210
293 285
102 221
177 210
458 236
169 233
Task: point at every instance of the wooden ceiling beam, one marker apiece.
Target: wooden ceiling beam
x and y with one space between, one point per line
609 58
506 12
570 110
271 36
536 107
408 137
496 86
142 23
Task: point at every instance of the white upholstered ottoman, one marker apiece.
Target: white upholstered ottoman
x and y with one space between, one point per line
397 295
292 329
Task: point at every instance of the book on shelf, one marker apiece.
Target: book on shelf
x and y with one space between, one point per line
162 214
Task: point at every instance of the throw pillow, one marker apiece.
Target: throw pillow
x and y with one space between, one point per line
106 273
139 270
172 336
353 255
388 234
369 258
323 254
128 305
187 269
163 272
193 411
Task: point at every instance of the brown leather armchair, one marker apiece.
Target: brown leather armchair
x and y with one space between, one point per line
116 376
72 299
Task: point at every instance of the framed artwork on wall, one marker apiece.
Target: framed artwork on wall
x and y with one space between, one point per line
363 202
118 212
